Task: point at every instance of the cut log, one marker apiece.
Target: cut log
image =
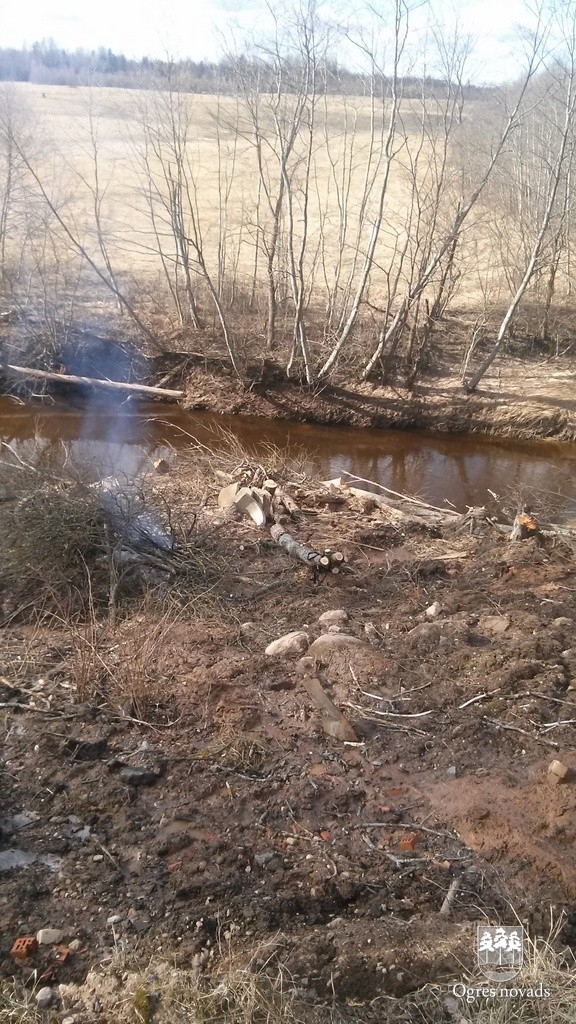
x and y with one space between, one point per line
68 378
524 526
315 559
285 500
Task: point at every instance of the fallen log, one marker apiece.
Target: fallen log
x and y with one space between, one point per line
68 378
283 499
396 494
319 561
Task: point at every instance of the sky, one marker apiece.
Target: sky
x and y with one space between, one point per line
202 29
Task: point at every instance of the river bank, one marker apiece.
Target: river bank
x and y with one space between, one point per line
522 399
528 398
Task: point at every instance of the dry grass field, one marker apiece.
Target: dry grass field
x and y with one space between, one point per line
92 146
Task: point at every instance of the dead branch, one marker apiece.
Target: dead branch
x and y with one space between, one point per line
449 898
524 732
68 378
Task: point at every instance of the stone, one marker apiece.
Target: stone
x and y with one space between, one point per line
137 776
289 645
263 858
74 946
558 773
49 936
334 642
562 620
338 653
335 617
494 623
44 997
69 1020
433 611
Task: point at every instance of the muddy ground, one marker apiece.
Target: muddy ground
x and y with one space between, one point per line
172 786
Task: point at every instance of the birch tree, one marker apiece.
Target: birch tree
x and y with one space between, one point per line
556 166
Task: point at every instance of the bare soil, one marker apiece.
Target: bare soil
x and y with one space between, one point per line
187 799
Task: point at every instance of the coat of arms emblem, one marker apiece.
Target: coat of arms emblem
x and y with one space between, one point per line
500 951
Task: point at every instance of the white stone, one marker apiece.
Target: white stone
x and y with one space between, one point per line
49 936
44 997
335 617
434 610
291 644
335 641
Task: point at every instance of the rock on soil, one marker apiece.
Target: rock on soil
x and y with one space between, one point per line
336 617
290 645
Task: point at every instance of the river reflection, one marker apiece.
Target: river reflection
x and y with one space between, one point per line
459 470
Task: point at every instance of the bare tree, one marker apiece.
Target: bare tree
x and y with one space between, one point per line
172 189
16 123
390 110
564 75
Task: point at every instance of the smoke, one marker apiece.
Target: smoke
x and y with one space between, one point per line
112 431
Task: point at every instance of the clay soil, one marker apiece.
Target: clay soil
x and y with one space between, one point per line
174 789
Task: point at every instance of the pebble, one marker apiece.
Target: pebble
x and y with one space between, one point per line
261 859
74 946
433 611
69 1020
49 936
138 776
335 641
44 997
558 772
114 919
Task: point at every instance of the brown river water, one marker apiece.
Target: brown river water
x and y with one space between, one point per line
447 470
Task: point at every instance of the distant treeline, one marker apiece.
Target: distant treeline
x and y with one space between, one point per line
47 64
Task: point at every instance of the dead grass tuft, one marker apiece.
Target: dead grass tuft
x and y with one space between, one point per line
547 969
52 537
123 667
17 1005
234 993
